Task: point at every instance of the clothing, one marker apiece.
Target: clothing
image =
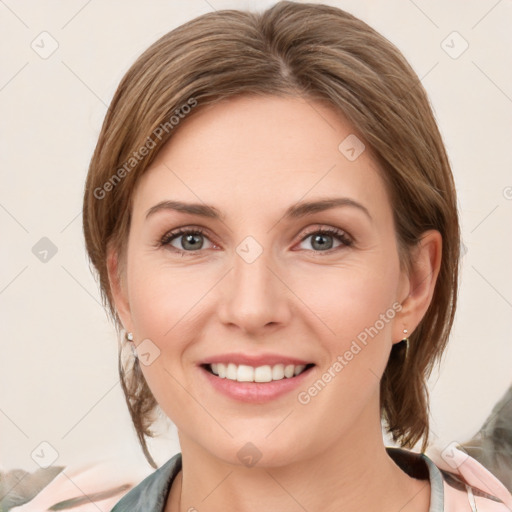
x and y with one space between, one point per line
87 486
465 487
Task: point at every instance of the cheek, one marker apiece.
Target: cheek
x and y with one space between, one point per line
358 308
350 299
161 298
161 303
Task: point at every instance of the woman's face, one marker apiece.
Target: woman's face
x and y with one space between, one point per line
259 289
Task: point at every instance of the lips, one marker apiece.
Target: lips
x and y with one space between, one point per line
254 360
251 384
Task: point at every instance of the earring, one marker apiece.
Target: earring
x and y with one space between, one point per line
406 341
129 338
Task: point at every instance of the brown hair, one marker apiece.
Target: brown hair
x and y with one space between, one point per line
320 53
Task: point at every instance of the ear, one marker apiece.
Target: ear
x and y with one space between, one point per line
119 289
418 286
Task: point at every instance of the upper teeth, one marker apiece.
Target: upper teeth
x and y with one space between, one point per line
266 373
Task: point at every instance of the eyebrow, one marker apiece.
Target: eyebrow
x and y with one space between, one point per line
296 211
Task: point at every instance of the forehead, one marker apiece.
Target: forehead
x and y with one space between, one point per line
258 153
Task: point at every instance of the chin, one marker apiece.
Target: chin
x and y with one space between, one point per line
259 449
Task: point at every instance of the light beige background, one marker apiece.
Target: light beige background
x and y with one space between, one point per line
58 375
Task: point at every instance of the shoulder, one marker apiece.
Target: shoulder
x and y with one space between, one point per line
84 487
150 495
457 481
467 482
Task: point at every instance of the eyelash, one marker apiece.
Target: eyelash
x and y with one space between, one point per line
336 233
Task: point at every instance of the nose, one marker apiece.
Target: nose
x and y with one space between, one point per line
254 296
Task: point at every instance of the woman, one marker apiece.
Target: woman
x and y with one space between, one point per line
272 217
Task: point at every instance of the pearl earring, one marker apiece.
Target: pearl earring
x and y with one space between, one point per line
129 338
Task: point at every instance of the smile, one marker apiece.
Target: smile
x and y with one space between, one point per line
265 373
254 378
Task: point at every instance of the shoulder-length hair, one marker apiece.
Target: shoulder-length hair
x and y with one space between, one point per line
320 53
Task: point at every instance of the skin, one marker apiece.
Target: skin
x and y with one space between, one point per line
251 158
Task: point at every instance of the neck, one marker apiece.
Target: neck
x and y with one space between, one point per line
356 474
